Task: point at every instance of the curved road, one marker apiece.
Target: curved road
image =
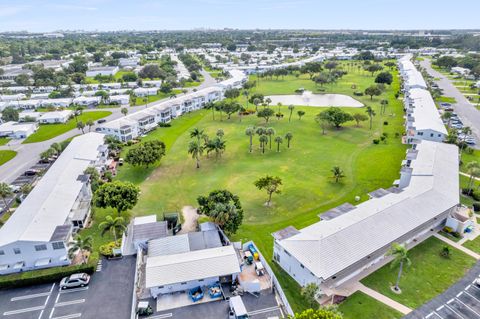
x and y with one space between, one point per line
29 154
469 115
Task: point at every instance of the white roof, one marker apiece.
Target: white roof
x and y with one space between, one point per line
55 114
145 220
16 127
50 202
192 265
329 246
425 113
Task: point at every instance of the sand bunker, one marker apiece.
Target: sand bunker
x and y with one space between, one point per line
318 100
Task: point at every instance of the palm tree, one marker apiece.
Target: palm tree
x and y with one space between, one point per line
300 114
78 111
250 132
80 244
246 93
278 140
124 111
371 114
337 173
90 123
270 132
384 104
113 225
263 140
197 133
196 150
290 108
473 170
220 133
81 126
268 101
400 257
221 213
5 192
447 116
288 137
466 130
256 101
279 104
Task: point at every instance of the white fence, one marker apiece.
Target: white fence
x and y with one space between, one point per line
136 281
275 283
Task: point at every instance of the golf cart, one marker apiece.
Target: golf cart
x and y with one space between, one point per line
248 257
237 308
144 309
259 269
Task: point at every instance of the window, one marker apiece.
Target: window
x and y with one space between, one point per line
183 283
2 252
58 245
17 251
302 266
200 280
40 247
431 134
286 252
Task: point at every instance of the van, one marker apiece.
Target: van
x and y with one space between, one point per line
237 308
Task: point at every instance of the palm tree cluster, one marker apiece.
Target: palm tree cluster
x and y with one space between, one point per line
202 143
266 136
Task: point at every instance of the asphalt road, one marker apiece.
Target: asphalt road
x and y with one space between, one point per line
108 296
469 115
29 154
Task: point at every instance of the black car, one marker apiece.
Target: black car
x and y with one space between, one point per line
101 121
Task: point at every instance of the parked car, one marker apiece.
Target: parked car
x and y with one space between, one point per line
101 121
31 172
15 188
477 282
75 280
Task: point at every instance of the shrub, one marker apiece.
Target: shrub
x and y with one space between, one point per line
376 141
456 234
476 206
447 229
164 124
467 191
445 252
385 122
356 93
476 195
107 249
41 276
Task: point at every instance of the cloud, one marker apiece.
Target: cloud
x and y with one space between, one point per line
73 7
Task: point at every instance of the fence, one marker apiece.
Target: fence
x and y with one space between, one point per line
275 283
138 264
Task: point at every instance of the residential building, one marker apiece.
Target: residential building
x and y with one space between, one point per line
55 117
120 99
102 70
17 130
37 235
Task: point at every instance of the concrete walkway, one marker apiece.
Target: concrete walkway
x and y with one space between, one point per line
384 299
458 246
190 218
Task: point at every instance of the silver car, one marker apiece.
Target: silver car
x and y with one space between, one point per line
75 280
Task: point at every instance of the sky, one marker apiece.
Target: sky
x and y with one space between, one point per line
112 15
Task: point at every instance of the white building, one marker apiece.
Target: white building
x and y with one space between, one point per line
460 71
63 102
12 97
55 117
17 130
102 70
120 99
142 92
182 262
87 100
354 238
36 236
131 62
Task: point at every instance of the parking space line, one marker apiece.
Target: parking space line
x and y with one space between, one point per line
51 312
73 315
165 315
468 307
260 311
15 312
68 303
466 292
42 294
41 314
453 310
72 290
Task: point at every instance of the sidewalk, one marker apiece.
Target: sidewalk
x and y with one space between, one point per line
458 246
384 299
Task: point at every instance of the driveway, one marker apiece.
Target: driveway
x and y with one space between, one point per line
469 115
109 295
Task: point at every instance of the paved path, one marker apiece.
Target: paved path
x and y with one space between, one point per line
458 246
29 154
384 299
190 218
469 115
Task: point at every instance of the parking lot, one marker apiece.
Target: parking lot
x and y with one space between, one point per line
109 295
466 304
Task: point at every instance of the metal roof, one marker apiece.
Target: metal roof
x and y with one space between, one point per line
50 202
328 247
192 265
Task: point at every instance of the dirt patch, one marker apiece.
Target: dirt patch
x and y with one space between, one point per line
190 218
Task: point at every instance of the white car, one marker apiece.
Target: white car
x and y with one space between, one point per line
75 280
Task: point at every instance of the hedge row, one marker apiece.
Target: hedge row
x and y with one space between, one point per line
48 275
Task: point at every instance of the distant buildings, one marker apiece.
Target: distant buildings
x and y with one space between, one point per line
102 70
36 236
17 130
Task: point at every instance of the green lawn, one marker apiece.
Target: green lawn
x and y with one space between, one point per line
473 245
49 131
305 168
4 140
153 98
446 99
6 155
360 305
429 275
